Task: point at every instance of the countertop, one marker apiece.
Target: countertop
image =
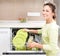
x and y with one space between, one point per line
18 24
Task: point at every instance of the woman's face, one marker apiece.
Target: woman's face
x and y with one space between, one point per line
47 12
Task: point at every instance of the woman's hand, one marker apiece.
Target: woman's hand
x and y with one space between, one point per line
31 45
34 44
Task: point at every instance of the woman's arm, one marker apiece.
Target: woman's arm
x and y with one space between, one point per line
33 31
34 44
53 39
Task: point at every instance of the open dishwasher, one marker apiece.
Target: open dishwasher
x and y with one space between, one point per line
36 38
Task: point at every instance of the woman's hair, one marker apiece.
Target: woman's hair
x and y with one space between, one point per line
52 6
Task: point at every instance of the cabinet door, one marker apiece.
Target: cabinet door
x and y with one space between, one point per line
4 39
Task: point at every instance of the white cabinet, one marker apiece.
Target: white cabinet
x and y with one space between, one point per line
4 39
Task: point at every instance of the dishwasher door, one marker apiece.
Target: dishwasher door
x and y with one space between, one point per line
23 53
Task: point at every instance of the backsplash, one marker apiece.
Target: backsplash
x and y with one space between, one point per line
13 9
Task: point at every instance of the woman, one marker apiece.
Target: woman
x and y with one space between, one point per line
49 32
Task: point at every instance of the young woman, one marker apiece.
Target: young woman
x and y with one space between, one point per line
49 32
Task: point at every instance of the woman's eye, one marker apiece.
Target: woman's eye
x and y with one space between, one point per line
47 11
43 10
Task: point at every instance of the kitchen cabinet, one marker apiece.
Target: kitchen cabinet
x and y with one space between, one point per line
4 39
7 31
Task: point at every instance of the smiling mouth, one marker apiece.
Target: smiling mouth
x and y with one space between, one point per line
45 15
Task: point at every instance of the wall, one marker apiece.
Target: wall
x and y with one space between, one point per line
58 16
13 9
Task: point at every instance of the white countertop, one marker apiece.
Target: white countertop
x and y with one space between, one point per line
18 24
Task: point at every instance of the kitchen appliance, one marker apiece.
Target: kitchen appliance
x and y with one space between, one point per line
35 37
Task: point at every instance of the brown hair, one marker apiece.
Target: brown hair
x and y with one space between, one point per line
52 6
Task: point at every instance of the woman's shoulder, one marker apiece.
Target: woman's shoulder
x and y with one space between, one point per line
54 27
